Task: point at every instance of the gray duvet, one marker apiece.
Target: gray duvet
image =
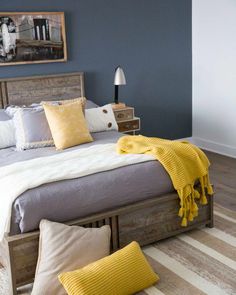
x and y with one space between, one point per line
70 199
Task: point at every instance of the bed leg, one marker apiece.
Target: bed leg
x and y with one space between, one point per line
10 269
211 208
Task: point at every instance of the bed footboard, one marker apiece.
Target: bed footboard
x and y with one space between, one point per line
145 222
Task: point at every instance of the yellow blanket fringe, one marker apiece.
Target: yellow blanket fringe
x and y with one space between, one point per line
185 163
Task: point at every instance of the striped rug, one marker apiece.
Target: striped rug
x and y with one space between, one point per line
199 262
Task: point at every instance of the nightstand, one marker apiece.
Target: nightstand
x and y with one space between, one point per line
126 120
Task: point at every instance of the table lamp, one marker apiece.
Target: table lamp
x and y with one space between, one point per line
118 80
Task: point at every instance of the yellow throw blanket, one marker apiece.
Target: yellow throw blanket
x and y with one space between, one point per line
185 163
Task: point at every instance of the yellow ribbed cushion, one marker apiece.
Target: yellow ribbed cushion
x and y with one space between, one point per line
124 272
67 124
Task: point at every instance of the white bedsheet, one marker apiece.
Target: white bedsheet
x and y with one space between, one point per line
19 177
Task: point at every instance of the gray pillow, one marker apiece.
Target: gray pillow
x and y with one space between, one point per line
90 105
12 109
4 116
32 129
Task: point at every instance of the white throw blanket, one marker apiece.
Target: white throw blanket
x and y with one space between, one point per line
19 177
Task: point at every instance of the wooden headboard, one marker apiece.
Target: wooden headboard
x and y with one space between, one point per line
28 90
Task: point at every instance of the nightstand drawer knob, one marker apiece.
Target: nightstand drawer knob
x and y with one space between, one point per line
124 114
120 116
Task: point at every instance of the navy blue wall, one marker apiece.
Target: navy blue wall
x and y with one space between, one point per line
150 39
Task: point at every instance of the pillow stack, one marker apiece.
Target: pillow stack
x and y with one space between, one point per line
74 260
63 123
31 125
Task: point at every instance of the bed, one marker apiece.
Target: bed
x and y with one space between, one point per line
137 201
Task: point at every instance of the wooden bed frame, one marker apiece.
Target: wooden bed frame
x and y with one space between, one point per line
146 222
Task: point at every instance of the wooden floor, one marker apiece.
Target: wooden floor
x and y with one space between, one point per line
223 176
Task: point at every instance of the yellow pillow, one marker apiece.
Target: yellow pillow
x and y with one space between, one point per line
67 124
82 100
124 272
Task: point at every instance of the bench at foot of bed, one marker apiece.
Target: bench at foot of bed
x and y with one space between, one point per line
145 222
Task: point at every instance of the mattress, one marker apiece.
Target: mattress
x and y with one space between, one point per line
71 199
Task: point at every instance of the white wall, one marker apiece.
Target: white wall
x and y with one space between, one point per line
214 75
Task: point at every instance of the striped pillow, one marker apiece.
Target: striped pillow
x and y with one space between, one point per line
124 272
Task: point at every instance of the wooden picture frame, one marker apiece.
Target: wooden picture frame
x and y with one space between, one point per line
32 37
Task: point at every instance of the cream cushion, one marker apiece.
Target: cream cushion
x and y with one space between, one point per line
66 248
67 124
101 119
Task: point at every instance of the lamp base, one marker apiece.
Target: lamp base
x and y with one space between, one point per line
120 105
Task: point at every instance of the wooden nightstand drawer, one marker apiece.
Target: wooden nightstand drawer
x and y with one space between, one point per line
124 114
130 125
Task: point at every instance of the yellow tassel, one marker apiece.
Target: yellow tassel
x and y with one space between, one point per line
210 190
209 186
195 214
181 212
190 217
187 205
203 200
184 222
196 194
201 179
194 207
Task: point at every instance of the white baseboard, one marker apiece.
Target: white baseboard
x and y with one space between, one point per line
212 146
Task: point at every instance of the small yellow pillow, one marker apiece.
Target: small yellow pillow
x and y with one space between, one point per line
82 100
67 124
124 272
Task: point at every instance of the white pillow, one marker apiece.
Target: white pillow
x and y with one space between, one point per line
7 134
65 248
101 119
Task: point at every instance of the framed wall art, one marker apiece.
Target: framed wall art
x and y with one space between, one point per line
32 37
